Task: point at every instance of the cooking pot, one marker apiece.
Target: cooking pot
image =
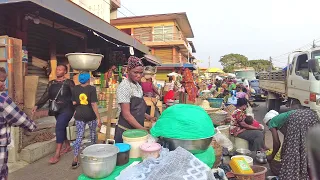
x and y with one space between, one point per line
193 146
99 160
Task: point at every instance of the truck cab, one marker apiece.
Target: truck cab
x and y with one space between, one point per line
303 79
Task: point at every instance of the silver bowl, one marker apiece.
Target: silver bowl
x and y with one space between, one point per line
84 61
193 146
242 151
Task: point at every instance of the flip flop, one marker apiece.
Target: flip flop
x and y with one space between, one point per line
75 165
65 150
54 160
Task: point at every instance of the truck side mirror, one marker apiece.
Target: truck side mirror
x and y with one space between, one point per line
313 65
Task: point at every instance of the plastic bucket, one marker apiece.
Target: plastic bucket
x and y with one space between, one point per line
150 150
248 159
135 138
225 130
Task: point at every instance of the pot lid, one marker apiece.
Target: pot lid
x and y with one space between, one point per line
123 147
100 150
135 133
150 147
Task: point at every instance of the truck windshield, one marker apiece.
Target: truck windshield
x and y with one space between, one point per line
250 74
316 55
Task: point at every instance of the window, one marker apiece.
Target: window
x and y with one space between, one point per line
291 65
163 33
302 66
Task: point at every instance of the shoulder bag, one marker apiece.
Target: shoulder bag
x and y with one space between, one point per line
53 106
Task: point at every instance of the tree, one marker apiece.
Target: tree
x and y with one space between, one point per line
232 61
259 65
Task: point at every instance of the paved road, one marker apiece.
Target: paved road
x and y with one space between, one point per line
41 170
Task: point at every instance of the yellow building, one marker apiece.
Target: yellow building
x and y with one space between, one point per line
166 35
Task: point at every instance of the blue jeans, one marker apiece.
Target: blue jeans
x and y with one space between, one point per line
61 124
81 125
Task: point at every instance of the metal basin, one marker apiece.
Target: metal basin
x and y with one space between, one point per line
84 61
193 146
242 151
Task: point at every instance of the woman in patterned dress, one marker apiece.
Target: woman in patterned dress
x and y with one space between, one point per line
189 85
294 158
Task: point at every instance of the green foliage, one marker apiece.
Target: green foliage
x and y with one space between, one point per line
260 64
233 61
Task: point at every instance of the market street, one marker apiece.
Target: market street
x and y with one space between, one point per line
62 170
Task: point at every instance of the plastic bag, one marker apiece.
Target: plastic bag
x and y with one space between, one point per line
223 141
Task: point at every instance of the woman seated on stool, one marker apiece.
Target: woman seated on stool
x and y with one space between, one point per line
239 128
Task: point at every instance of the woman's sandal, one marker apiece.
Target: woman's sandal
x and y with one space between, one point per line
75 165
54 160
65 150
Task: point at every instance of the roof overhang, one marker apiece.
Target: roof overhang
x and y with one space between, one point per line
180 18
77 14
154 60
192 47
177 65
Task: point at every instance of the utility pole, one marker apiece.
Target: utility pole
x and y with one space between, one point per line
270 67
209 62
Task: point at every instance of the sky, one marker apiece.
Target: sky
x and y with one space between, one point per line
257 29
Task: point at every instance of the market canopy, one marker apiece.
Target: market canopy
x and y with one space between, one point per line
79 15
215 70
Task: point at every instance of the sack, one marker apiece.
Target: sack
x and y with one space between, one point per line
71 133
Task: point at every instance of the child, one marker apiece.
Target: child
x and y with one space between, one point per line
250 121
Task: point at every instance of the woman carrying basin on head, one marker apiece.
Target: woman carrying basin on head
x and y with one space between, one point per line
59 89
85 100
132 106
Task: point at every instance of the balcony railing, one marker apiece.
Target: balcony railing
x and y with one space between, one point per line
163 37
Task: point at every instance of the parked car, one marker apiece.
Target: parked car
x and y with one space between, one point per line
256 92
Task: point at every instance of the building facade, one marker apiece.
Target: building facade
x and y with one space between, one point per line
166 35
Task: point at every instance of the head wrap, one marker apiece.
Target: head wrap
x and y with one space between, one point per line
84 77
271 114
134 62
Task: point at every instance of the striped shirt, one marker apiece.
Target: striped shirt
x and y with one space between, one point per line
11 115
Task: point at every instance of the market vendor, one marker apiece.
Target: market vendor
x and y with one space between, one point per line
295 126
132 106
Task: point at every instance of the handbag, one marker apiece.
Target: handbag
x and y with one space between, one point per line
54 107
71 132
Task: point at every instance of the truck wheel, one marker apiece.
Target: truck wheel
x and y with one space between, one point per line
271 103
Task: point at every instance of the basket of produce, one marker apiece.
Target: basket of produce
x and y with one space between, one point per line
218 117
206 106
215 102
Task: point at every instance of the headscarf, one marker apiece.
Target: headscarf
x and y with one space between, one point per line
134 62
84 77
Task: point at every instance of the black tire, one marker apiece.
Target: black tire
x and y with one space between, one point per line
270 104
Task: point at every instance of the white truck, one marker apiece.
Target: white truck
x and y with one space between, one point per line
296 86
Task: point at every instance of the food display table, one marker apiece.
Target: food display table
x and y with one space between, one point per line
114 174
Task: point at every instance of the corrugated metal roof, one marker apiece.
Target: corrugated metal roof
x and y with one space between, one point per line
75 13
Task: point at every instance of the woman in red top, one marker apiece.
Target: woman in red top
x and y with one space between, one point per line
241 129
149 90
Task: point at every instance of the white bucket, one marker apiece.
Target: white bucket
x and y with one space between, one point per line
225 130
248 159
135 144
